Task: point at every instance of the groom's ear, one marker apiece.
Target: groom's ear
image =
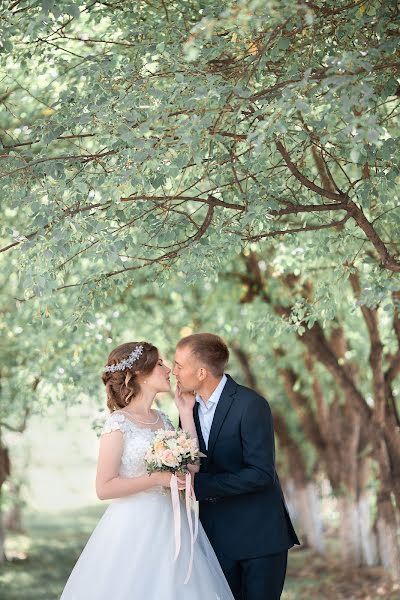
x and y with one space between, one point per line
202 373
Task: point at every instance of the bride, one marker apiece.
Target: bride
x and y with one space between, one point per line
130 554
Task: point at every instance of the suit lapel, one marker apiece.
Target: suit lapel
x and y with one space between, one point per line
221 411
202 444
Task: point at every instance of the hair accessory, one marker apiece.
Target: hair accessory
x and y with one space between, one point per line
125 363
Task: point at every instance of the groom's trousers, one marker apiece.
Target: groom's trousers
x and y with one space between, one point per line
259 578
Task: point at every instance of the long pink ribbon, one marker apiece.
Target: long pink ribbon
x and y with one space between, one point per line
177 514
191 503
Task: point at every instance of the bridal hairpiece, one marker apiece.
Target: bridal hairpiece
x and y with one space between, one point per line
125 363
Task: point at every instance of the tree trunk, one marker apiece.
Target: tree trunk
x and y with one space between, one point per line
2 536
349 535
349 475
387 536
302 493
303 496
4 473
368 538
387 524
310 516
304 507
12 520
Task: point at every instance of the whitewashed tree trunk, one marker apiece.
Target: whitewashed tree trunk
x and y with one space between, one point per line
350 542
305 507
2 537
368 538
389 547
312 512
290 497
387 523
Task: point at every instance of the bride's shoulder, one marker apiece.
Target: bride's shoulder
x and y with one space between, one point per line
115 421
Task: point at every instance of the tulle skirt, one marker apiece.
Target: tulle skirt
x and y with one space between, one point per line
130 556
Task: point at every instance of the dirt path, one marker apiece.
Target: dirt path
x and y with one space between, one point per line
316 578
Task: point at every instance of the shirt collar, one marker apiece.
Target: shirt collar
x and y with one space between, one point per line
215 396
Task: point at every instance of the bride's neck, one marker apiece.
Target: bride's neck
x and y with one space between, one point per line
141 405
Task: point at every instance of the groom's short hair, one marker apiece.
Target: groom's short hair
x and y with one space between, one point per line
210 349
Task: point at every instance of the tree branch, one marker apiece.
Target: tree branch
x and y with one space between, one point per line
387 261
303 179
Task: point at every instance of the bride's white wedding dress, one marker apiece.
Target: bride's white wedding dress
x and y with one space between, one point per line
130 554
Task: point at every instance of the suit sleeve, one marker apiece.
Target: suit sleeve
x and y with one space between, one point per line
258 471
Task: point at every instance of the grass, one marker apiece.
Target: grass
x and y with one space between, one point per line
43 556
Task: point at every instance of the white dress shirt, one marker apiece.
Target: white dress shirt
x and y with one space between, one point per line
207 411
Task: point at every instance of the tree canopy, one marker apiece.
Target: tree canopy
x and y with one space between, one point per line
172 136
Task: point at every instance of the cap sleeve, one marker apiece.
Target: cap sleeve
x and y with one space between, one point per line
167 421
115 422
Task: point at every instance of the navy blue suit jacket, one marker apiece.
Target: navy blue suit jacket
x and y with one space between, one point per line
242 508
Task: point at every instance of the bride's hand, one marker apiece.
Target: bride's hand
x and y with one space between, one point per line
163 478
182 480
184 400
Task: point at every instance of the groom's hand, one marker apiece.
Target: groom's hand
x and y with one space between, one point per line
184 400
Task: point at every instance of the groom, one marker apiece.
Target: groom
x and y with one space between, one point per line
242 508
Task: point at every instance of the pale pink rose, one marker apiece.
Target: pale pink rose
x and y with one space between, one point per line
169 459
185 445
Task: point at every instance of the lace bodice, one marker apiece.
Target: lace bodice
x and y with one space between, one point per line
136 441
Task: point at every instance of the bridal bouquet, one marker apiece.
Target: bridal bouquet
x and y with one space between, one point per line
174 451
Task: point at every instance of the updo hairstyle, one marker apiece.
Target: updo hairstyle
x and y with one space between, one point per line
122 386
